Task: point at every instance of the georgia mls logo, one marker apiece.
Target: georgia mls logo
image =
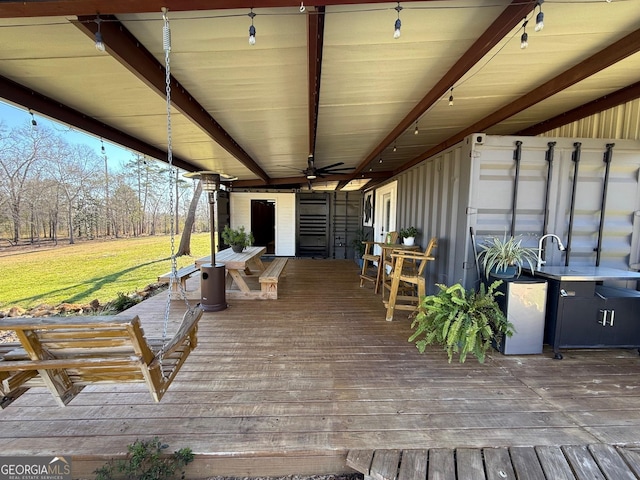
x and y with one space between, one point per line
35 468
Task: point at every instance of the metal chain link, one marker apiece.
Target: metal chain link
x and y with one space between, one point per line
166 41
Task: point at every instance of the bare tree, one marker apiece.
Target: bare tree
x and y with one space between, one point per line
20 152
185 239
73 167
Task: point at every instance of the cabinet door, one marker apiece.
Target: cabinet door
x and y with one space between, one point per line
626 327
581 324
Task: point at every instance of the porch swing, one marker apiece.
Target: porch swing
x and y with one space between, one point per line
67 354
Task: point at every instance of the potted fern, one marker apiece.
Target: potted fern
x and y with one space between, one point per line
463 322
504 257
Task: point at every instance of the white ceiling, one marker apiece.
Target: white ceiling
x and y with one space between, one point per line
373 87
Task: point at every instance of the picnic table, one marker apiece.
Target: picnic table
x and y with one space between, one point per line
246 265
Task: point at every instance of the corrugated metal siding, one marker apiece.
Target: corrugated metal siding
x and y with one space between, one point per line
621 122
471 185
431 198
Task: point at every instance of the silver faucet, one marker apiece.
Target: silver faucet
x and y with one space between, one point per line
540 260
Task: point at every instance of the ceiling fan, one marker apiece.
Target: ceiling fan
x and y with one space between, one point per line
312 172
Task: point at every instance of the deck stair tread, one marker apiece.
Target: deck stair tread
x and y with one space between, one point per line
567 462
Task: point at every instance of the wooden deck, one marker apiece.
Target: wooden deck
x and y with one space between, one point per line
569 462
292 385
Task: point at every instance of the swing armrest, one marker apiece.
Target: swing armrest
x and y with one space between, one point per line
187 329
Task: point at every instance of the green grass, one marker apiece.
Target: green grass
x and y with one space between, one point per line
88 270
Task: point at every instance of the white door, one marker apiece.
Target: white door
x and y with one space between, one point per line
385 212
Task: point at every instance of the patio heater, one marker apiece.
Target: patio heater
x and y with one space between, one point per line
212 275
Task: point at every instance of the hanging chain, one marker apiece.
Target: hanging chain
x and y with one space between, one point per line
166 43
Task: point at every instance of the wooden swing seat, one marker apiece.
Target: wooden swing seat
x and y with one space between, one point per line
65 354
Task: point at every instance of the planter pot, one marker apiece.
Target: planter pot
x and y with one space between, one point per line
408 241
510 272
237 248
359 261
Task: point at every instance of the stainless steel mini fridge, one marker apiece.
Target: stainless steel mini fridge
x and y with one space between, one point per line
524 304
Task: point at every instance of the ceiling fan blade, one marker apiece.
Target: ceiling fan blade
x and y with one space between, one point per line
331 166
292 168
332 170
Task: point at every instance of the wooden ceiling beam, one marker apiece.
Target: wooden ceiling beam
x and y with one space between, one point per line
503 24
617 51
598 105
125 48
30 99
315 31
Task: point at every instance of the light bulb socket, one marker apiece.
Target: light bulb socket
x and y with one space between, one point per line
252 35
539 21
99 42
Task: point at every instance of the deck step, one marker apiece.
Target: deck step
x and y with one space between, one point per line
569 462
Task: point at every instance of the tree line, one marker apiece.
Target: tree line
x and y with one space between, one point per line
51 188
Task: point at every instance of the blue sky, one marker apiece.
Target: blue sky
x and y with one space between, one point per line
12 117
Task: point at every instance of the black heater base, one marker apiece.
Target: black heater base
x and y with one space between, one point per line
212 287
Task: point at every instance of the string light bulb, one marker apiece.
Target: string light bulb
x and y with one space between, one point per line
99 41
539 17
395 148
415 132
102 147
451 98
524 39
33 119
252 29
398 24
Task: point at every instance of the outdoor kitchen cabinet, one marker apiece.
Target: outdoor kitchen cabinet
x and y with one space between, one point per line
584 313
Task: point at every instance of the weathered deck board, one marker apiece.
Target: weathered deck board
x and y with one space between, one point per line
291 386
583 462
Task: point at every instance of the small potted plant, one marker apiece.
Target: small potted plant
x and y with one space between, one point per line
463 322
408 235
237 239
504 257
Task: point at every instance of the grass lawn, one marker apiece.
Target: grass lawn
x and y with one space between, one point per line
88 270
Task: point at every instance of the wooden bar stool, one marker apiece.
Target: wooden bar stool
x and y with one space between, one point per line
408 284
371 263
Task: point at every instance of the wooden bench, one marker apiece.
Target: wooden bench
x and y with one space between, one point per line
269 278
180 285
64 354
